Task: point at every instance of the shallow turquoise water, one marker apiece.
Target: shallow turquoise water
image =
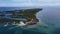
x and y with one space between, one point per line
49 24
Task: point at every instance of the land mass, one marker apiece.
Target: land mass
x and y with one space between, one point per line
15 15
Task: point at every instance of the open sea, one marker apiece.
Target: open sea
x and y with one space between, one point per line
49 22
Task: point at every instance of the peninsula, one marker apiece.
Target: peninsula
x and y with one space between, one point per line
27 16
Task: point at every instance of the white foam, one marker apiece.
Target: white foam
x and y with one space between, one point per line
21 24
6 25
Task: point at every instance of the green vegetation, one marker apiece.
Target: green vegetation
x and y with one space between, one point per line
27 13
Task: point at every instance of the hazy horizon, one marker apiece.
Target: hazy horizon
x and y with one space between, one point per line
23 3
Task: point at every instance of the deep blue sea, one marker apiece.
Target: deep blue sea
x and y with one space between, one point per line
49 23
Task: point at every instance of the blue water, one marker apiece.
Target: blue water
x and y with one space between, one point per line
49 17
10 8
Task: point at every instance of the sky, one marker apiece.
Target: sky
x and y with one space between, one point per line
22 3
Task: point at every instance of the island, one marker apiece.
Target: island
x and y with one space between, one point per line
26 16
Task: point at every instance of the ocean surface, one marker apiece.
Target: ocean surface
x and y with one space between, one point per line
49 23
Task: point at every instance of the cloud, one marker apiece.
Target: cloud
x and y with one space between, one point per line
22 4
17 4
2 4
30 3
49 1
19 0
